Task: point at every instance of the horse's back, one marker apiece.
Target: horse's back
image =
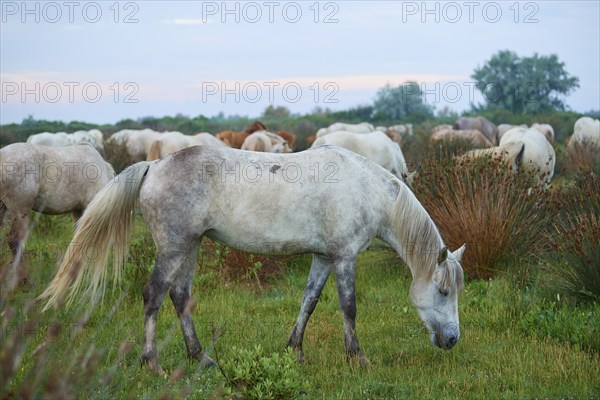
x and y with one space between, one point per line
289 203
54 180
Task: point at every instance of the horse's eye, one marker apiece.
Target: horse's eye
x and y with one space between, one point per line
443 292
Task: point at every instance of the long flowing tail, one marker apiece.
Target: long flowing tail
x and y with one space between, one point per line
105 223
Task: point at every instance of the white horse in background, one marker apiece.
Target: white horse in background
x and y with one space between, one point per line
546 129
403 129
264 141
586 132
482 124
137 142
195 192
503 128
170 142
447 133
49 180
376 146
363 127
527 149
61 139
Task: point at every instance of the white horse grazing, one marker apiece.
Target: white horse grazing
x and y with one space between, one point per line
503 128
546 130
171 142
49 180
376 146
363 127
61 139
267 142
196 192
443 133
524 148
138 143
482 124
403 129
586 131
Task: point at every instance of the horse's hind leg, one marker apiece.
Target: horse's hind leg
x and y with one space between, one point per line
76 215
17 236
319 272
180 293
168 265
345 272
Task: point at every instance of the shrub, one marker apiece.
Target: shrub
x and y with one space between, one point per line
581 159
251 374
494 211
142 257
117 155
238 266
573 257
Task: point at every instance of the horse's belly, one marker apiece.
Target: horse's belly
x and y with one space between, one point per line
260 244
45 206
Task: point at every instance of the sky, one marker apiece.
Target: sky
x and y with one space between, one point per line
103 61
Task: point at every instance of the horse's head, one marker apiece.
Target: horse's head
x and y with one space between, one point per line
436 299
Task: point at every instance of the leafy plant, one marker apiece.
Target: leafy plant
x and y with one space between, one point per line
251 374
577 326
484 205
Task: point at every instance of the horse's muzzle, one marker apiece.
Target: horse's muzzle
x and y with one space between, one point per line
445 340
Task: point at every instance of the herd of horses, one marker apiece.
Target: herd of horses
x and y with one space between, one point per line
182 202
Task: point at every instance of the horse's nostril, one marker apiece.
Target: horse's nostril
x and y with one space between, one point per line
452 341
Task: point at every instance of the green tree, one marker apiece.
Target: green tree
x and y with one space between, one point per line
402 102
524 85
276 112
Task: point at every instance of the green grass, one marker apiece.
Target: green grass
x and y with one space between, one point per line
516 341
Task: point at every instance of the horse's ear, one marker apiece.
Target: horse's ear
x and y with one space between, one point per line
443 255
459 253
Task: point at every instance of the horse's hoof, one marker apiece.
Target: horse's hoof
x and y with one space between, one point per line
360 359
156 368
363 361
206 361
153 365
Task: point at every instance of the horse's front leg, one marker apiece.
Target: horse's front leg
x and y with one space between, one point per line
319 272
345 272
180 294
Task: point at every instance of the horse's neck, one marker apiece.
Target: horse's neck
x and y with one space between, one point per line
412 233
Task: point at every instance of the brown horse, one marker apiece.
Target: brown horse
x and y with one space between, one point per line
236 139
289 137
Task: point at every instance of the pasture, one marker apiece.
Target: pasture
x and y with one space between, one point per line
529 310
519 338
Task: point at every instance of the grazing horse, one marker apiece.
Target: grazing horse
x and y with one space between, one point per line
265 141
363 127
243 199
482 124
60 139
236 139
171 142
49 180
137 142
586 132
473 136
376 146
525 148
289 137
